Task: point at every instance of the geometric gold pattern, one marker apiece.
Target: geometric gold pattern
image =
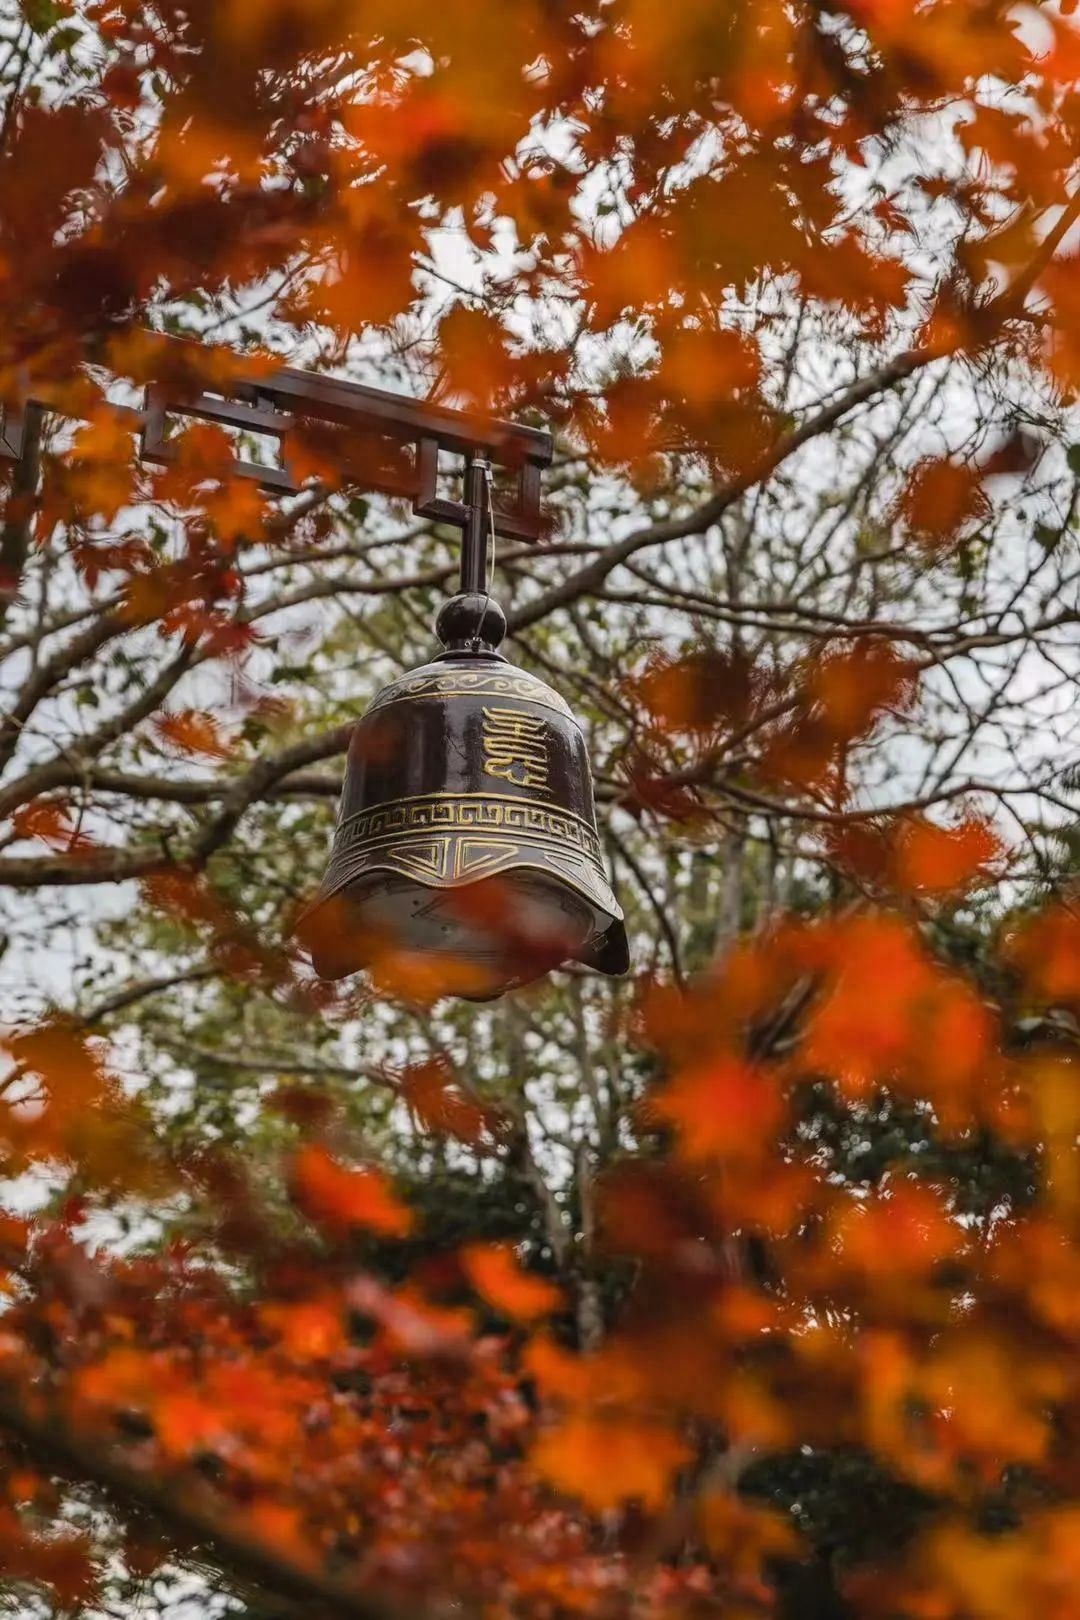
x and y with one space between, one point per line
465 837
467 812
482 857
426 860
437 682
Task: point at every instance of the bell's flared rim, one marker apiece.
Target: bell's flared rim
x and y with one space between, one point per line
606 950
599 892
609 952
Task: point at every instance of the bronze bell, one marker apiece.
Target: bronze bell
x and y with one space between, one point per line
466 835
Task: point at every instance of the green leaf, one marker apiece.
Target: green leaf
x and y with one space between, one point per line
41 15
1046 535
1072 456
65 39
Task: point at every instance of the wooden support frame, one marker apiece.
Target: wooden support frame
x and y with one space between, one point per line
395 442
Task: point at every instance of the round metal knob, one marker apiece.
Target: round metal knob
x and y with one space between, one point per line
469 621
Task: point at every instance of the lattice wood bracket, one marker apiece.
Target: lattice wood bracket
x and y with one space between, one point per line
374 440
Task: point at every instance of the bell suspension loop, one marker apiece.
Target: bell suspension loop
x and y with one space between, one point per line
471 621
474 538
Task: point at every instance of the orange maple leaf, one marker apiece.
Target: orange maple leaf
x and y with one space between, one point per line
1045 951
896 1238
46 819
69 1065
102 465
851 688
724 1109
309 1329
193 732
185 1424
494 1272
336 1196
440 1105
607 1461
941 499
940 860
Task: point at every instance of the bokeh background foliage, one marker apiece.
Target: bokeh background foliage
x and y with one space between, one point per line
746 1284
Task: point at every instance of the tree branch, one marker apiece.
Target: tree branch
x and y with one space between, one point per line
192 1511
18 523
119 865
703 517
139 990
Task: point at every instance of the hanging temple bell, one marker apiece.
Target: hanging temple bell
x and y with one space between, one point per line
466 837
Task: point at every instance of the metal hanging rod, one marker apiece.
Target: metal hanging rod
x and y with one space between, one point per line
375 440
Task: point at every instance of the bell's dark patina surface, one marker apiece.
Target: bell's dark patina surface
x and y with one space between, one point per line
469 777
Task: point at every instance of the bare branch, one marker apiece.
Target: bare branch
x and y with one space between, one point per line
129 994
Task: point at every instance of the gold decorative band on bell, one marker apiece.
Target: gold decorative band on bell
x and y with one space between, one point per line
470 853
450 859
515 747
463 683
467 812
